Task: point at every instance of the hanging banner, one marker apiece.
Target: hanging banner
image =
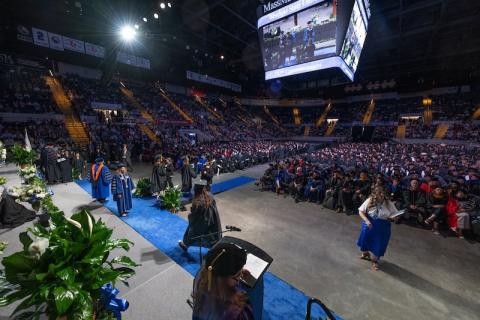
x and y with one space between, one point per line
40 37
94 50
132 60
24 34
73 44
56 41
214 81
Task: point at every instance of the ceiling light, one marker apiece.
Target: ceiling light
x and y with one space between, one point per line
162 5
136 26
222 57
169 5
145 19
127 33
155 15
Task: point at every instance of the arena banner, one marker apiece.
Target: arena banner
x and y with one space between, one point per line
56 41
106 105
6 59
213 81
73 44
94 50
24 34
40 37
132 60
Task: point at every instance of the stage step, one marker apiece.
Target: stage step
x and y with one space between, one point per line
401 131
75 127
441 131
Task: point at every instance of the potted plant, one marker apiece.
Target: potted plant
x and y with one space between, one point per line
62 271
3 180
21 156
172 199
28 173
143 188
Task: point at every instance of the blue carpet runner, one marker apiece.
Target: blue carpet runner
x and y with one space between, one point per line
163 229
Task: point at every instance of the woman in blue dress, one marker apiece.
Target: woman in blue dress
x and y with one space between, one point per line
376 213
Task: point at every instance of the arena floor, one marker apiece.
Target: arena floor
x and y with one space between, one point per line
422 276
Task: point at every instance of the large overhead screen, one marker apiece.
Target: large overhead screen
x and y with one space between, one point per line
300 33
356 35
302 37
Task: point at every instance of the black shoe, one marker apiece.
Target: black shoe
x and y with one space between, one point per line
182 245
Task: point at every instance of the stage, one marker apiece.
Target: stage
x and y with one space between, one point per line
423 276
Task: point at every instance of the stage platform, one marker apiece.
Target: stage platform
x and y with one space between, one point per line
423 276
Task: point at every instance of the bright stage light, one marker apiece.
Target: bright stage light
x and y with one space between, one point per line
145 19
162 5
155 15
136 26
127 33
222 57
169 5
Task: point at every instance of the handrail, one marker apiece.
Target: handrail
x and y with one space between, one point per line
324 308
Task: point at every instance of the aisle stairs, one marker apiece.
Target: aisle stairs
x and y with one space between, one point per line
368 115
75 127
176 107
149 132
297 119
306 131
134 102
330 128
321 120
209 109
401 131
441 131
476 114
276 122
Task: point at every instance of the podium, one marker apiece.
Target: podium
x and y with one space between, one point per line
258 261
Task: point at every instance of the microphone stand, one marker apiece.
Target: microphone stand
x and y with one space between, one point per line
203 236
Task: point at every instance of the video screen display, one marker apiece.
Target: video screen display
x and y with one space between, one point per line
302 37
355 38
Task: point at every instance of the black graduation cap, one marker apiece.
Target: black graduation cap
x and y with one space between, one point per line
225 259
197 188
121 165
98 160
158 157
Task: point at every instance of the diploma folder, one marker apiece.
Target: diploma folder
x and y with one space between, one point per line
258 261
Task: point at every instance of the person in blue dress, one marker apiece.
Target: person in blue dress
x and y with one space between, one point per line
122 187
100 177
376 212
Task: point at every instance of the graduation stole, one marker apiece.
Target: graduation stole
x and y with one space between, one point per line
96 175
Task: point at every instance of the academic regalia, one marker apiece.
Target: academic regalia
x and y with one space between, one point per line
201 221
122 186
49 162
65 166
13 214
208 172
169 173
159 178
188 173
100 179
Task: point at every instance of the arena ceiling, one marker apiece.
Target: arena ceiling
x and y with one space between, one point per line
413 39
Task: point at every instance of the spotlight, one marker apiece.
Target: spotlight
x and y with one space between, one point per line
136 26
155 15
145 19
169 5
127 33
222 57
162 5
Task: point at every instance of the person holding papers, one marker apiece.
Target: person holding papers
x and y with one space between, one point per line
216 291
377 212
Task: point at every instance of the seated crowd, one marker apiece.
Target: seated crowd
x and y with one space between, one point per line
434 184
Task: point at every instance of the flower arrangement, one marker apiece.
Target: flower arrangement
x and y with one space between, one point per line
3 245
3 180
28 173
172 198
3 152
65 271
21 156
143 188
28 193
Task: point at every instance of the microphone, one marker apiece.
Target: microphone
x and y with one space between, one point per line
233 228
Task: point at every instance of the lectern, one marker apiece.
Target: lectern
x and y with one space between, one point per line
258 261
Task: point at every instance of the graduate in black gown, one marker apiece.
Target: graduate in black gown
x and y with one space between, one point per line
49 159
65 166
12 214
208 172
159 176
202 220
169 171
188 172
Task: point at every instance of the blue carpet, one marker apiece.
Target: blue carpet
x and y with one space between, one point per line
163 230
230 184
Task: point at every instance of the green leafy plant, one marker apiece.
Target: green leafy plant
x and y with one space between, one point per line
61 269
20 156
172 198
75 173
3 245
3 180
143 188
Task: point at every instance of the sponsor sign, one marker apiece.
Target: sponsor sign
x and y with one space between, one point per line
40 37
56 41
94 50
73 44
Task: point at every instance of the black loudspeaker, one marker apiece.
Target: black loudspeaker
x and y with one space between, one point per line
362 133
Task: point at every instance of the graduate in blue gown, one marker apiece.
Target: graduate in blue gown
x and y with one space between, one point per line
122 187
100 177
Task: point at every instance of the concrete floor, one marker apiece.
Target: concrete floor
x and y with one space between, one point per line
422 276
